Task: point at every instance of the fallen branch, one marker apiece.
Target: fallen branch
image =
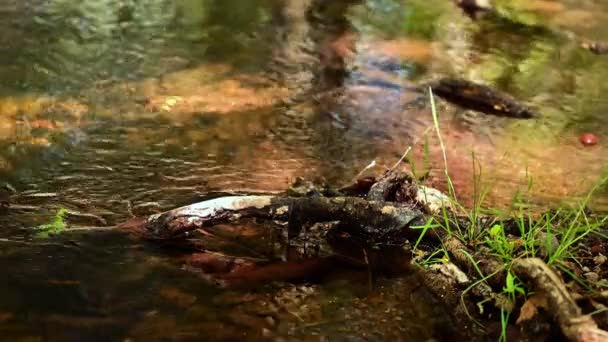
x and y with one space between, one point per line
376 221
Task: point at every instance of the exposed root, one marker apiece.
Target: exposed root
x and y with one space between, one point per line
574 325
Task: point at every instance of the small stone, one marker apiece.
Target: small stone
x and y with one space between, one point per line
592 276
597 249
586 269
599 259
546 244
452 271
588 139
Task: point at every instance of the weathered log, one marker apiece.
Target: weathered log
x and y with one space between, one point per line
480 97
377 222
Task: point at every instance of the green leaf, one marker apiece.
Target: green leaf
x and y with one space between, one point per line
56 226
496 230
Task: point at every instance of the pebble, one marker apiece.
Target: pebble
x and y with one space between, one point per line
588 139
599 259
592 276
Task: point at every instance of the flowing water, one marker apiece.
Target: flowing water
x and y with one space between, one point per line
113 109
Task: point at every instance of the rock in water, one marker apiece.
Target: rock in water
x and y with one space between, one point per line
588 139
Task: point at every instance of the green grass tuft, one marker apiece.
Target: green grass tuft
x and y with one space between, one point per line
555 236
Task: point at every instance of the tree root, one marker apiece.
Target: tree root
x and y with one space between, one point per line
574 325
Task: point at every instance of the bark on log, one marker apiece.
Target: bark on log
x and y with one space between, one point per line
375 221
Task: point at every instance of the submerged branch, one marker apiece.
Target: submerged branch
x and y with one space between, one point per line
377 221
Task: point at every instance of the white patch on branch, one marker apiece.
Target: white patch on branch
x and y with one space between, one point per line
282 210
232 203
210 208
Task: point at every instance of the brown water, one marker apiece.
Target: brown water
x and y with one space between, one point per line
121 108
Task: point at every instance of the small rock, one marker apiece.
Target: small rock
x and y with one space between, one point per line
597 249
452 271
586 269
599 259
592 277
588 139
546 244
433 200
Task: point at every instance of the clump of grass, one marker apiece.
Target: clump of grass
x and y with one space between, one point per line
554 236
56 226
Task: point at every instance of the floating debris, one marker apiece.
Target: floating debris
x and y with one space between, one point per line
41 195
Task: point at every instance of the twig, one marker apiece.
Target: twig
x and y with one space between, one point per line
409 148
369 166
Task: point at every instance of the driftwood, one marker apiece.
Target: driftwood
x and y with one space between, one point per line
375 221
480 97
392 205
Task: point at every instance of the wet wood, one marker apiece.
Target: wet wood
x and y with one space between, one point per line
480 97
375 221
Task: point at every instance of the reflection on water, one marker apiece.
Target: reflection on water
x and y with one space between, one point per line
120 108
